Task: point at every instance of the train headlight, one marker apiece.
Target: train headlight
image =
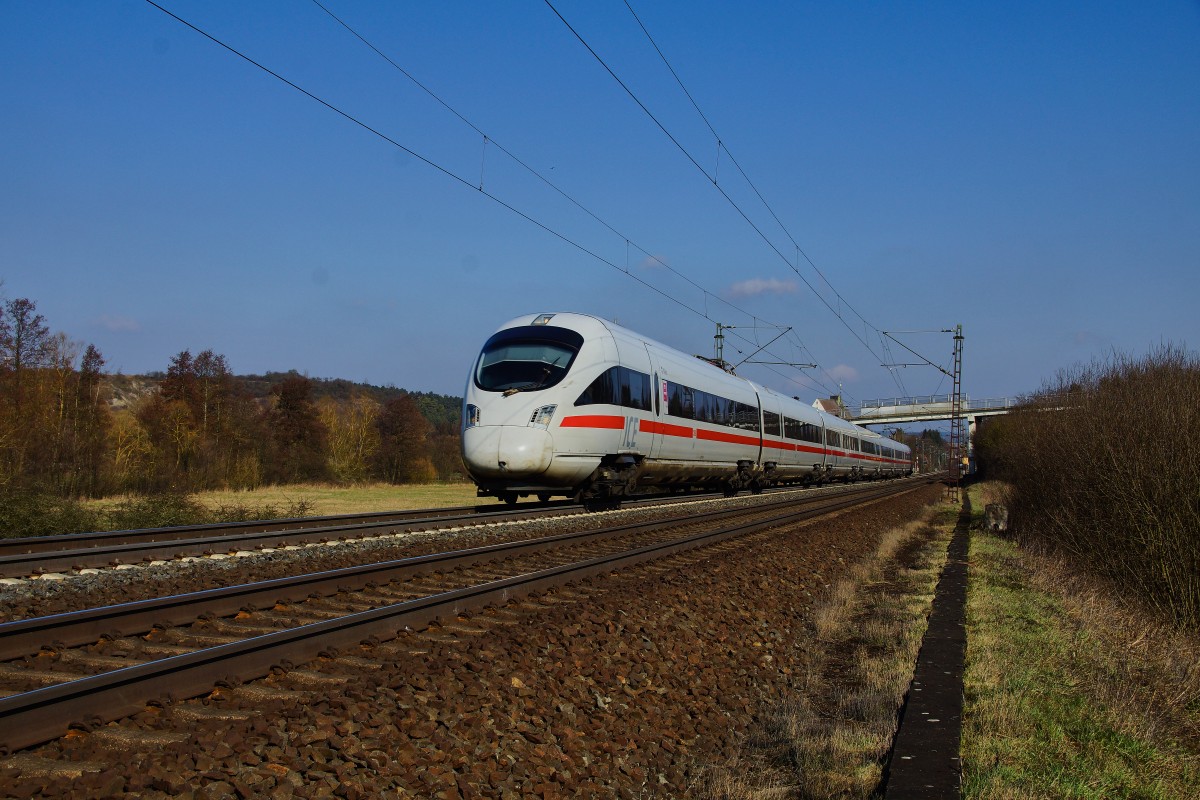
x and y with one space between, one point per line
471 417
541 417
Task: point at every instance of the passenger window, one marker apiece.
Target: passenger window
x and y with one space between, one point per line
618 386
771 423
600 391
680 401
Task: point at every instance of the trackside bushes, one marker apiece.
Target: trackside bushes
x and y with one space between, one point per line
1103 467
34 513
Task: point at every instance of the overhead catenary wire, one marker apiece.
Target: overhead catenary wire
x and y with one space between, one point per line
545 180
713 179
466 181
733 160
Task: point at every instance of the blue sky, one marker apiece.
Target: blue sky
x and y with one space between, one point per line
1030 170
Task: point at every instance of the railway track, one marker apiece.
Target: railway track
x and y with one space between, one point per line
70 553
102 664
36 555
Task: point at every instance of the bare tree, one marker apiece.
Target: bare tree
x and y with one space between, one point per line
353 437
24 342
403 455
297 436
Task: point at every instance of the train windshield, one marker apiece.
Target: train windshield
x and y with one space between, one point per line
526 359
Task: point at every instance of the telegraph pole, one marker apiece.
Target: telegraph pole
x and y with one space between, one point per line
957 438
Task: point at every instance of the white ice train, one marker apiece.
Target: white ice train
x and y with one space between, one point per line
569 404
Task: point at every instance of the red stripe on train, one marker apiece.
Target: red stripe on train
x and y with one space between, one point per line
666 429
593 421
728 438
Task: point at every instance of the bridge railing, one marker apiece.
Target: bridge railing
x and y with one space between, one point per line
915 403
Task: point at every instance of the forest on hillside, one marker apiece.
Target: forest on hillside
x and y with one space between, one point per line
70 429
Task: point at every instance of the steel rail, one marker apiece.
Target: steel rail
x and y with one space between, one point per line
71 629
20 564
79 541
57 543
43 714
24 556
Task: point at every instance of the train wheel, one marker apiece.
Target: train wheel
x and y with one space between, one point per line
543 497
509 497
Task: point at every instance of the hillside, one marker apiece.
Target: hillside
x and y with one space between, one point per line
442 411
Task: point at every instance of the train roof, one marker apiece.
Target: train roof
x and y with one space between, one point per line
590 326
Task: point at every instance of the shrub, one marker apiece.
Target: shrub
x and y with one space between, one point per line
31 512
1104 467
156 511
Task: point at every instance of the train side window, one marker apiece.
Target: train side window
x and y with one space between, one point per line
635 389
801 431
771 423
722 411
618 386
833 438
702 409
745 417
601 390
689 403
680 401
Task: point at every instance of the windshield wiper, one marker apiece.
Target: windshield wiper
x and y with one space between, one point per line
514 389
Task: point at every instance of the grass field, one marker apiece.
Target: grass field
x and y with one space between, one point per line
326 499
1068 691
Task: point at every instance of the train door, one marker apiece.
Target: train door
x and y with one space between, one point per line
763 456
652 426
636 396
827 460
673 436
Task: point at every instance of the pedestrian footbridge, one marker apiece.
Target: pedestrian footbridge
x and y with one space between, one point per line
897 410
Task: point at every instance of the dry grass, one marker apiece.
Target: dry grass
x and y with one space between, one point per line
830 738
1149 670
328 499
1070 690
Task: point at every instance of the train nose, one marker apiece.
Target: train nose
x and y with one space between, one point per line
506 451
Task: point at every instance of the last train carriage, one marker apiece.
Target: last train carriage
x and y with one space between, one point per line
570 404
